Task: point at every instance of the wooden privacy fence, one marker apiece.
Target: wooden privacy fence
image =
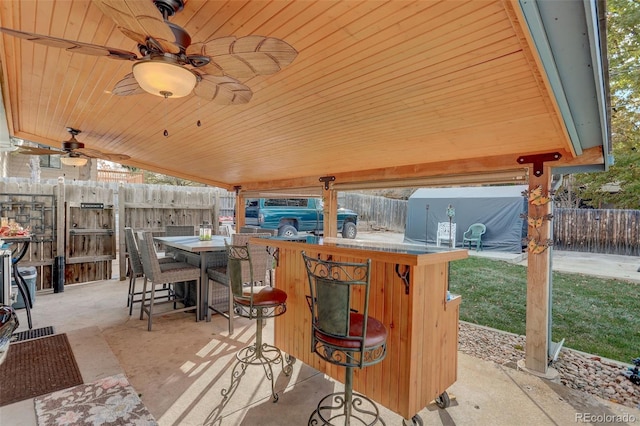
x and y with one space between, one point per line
66 224
78 226
374 212
597 230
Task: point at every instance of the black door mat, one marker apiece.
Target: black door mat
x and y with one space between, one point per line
32 334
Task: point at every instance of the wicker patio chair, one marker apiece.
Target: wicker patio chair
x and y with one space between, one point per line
161 274
136 271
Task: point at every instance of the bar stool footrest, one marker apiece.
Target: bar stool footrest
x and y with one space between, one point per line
335 407
264 355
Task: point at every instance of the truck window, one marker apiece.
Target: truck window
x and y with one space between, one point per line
252 203
275 202
297 202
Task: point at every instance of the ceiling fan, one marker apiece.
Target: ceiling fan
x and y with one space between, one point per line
170 66
74 153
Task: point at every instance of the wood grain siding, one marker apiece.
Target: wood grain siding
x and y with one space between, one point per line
398 83
422 344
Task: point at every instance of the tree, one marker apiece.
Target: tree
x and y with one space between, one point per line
160 179
623 44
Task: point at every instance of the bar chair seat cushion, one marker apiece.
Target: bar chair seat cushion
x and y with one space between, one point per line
376 334
175 267
266 296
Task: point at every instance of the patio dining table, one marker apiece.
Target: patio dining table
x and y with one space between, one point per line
204 249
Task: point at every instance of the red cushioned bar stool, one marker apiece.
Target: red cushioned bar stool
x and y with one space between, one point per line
344 336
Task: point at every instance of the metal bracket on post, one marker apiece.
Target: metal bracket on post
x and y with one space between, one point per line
237 189
404 276
275 253
326 180
538 161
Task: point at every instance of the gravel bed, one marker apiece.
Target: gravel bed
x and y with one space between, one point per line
590 374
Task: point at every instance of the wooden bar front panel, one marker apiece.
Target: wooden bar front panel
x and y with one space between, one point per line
421 360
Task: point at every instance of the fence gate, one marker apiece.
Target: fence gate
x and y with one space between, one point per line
90 241
90 233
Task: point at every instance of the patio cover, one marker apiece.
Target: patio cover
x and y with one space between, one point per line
379 92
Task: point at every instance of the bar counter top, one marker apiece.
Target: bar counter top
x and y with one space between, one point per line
406 254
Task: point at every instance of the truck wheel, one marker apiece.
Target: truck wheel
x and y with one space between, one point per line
287 231
349 230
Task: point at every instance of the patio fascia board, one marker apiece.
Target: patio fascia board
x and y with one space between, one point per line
490 167
570 41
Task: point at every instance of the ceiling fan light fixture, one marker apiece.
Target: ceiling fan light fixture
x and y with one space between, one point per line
163 76
73 160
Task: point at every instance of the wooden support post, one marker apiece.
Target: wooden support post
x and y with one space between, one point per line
240 218
538 281
57 272
330 224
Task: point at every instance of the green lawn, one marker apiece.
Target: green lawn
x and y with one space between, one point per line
595 315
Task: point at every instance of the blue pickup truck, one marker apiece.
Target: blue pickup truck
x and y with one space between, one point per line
292 215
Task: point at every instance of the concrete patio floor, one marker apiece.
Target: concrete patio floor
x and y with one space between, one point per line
181 366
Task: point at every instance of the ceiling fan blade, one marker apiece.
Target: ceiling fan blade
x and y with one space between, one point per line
222 90
94 153
72 46
140 20
210 48
33 150
246 56
127 86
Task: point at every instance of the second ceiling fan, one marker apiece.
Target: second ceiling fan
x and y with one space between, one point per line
73 151
170 65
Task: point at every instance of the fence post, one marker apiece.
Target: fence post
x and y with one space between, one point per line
61 218
122 259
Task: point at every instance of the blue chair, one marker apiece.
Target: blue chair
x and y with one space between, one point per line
474 235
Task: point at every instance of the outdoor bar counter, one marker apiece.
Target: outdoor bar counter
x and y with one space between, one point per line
408 294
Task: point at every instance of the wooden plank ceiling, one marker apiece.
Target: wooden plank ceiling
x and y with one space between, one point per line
377 88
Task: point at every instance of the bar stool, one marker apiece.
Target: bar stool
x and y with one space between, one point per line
343 336
254 301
